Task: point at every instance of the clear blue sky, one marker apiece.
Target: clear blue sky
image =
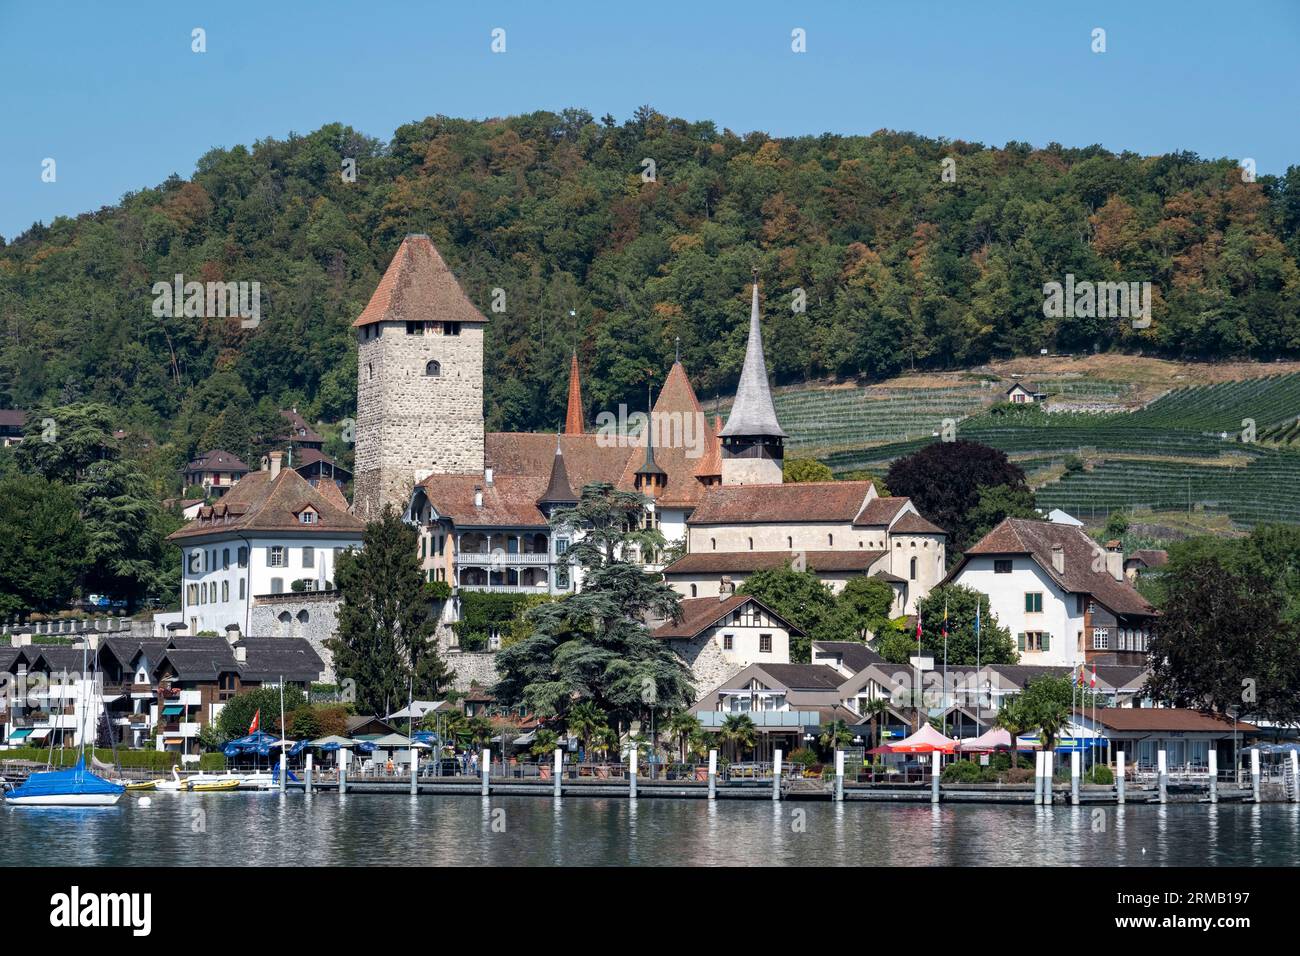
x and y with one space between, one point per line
113 93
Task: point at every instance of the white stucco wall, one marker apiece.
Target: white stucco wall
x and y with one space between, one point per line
1059 617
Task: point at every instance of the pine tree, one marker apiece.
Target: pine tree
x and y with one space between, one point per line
384 641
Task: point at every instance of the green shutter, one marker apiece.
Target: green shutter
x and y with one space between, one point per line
1047 641
1020 640
1029 603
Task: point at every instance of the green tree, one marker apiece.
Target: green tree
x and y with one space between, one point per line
585 721
805 469
544 743
383 641
1044 705
43 545
683 725
594 645
800 598
127 528
738 733
996 645
834 735
865 603
237 713
998 502
61 443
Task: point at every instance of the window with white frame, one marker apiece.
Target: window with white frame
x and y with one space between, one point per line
275 556
1101 638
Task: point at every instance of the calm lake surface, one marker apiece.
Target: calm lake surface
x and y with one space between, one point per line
267 829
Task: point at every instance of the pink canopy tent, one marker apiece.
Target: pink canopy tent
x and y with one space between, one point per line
927 740
995 739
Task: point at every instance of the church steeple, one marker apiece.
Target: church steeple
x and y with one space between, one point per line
650 478
559 493
752 440
574 421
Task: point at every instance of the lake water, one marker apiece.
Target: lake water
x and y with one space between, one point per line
267 829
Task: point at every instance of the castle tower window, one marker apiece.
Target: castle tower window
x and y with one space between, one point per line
451 328
913 569
433 368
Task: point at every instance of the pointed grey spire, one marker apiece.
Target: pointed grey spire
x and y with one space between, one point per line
558 490
650 466
752 413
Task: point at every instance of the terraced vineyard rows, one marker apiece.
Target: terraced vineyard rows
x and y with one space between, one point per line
1188 442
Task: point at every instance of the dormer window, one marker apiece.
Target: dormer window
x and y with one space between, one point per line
308 516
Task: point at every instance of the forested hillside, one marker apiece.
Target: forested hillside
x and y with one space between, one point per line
899 267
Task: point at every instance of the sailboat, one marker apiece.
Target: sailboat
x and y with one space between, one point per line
75 787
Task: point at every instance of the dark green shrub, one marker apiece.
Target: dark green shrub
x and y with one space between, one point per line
1101 774
962 771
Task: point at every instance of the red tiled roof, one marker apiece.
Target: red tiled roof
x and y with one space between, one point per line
575 420
699 614
530 455
786 503
710 465
682 439
1037 538
913 523
12 418
299 424
256 503
880 512
509 501
1167 719
417 287
723 562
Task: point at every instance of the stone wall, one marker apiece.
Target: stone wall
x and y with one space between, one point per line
312 615
409 422
472 667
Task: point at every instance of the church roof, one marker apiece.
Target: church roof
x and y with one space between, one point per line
574 421
752 413
558 490
418 286
587 458
788 503
710 465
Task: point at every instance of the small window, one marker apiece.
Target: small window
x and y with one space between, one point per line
728 642
307 517
243 557
225 559
1033 602
789 542
912 573
433 368
694 591
203 593
225 591
309 557
765 643
830 541
275 556
414 328
451 328
751 544
1002 566
713 542
241 589
1100 638
370 371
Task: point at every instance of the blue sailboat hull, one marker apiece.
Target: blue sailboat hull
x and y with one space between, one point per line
76 787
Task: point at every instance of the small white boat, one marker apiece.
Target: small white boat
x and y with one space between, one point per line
257 780
174 784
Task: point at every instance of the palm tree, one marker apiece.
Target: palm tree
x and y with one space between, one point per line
544 743
585 721
683 725
738 730
835 734
699 743
876 708
479 730
1013 720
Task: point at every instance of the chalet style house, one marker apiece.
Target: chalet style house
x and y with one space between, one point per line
215 471
1065 598
269 531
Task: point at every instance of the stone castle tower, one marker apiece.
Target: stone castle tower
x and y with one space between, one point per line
419 380
753 451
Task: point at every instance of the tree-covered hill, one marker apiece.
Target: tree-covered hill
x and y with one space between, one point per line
898 266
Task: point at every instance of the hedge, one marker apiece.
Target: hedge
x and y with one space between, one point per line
127 759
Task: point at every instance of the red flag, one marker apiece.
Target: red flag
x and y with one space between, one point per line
1093 681
918 628
1082 671
252 728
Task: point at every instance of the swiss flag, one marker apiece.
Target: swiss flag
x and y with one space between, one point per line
252 728
1093 681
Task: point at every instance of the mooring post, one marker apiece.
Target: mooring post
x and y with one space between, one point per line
485 765
282 769
559 769
713 774
415 769
1119 777
839 776
1038 777
1214 775
343 771
934 777
307 772
1162 773
631 772
1254 772
1295 777
1049 772
1074 777
776 775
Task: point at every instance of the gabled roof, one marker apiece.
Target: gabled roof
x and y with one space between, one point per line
854 655
1021 536
804 676
700 614
418 287
216 460
258 503
913 523
1171 719
747 562
811 501
587 458
299 430
752 412
270 658
1151 557
509 501
880 512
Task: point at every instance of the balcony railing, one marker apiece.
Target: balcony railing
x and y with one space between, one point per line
483 559
507 588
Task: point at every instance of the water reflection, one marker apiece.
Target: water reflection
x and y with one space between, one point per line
393 830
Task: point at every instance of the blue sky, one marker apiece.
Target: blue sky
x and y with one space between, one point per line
114 94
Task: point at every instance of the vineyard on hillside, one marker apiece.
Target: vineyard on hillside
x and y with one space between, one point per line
1190 449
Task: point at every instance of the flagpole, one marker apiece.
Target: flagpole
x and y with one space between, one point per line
284 762
945 667
979 727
